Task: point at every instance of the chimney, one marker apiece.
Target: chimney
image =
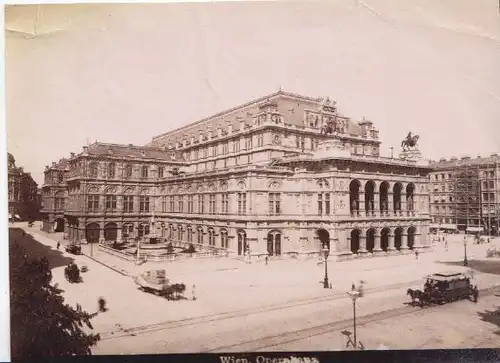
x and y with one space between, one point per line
72 155
85 149
53 164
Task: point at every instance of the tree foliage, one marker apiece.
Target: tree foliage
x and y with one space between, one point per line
41 323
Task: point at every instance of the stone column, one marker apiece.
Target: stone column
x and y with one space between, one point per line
362 203
377 248
404 242
403 202
119 234
390 202
362 244
391 247
376 203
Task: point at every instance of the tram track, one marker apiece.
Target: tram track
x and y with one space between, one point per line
305 333
205 319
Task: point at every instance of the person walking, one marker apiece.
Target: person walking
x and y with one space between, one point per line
267 260
416 254
58 244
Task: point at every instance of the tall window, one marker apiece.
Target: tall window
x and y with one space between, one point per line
163 204
171 232
93 203
248 143
200 235
180 233
128 203
225 148
223 239
180 204
190 204
327 203
260 140
211 204
323 203
320 203
274 203
161 170
224 203
189 234
171 203
60 177
93 169
201 204
242 203
236 146
144 171
144 204
214 150
211 237
111 203
111 170
205 152
195 154
128 171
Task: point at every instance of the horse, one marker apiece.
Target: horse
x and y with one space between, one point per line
410 141
414 295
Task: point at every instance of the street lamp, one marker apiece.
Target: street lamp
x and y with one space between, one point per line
354 295
326 252
466 263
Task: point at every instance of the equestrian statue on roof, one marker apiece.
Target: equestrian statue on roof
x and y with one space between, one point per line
410 142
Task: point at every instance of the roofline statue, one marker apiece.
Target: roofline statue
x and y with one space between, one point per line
410 142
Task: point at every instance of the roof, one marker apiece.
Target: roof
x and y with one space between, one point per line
292 106
133 151
465 161
446 276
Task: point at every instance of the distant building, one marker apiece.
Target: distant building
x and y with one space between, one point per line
282 175
465 194
22 193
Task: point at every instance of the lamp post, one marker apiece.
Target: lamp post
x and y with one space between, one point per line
466 263
354 295
326 252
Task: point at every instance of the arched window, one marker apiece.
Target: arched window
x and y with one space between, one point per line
111 170
144 172
211 237
199 231
171 231
180 233
189 234
60 177
224 239
128 171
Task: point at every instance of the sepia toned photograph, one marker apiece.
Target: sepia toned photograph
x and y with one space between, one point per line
251 177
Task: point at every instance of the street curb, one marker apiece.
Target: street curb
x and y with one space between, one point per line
108 266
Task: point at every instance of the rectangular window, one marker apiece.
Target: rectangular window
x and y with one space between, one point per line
128 203
190 204
93 203
111 203
195 156
144 172
160 171
201 204
242 203
144 204
205 152
171 204
211 204
181 204
260 140
248 143
492 184
224 203
320 204
274 203
225 148
164 204
327 204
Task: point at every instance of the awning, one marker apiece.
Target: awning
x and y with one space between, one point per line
475 229
17 216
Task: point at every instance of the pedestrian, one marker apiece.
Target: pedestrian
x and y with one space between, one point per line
353 287
416 254
331 286
267 260
194 292
58 244
101 304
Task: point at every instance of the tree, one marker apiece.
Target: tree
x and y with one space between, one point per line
41 323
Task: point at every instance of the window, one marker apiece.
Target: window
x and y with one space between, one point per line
201 204
93 203
200 235
128 203
190 204
225 148
195 156
189 234
211 204
205 153
492 184
171 203
327 204
127 230
242 203
274 203
260 140
211 237
144 204
248 143
223 239
224 203
160 171
60 177
181 204
320 203
164 204
144 171
171 232
180 233
213 150
236 146
111 203
93 169
111 170
128 171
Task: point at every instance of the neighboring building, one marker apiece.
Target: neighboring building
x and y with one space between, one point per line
262 177
22 193
54 194
465 194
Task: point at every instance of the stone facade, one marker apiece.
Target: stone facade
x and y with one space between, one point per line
259 179
24 203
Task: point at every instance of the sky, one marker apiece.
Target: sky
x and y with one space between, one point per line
123 73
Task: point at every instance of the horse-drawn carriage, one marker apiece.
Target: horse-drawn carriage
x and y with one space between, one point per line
155 282
445 287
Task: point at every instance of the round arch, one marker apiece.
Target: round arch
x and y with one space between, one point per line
59 224
92 231
355 237
411 237
410 191
370 196
396 196
370 239
384 197
354 187
324 237
274 243
110 231
398 237
384 238
242 241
